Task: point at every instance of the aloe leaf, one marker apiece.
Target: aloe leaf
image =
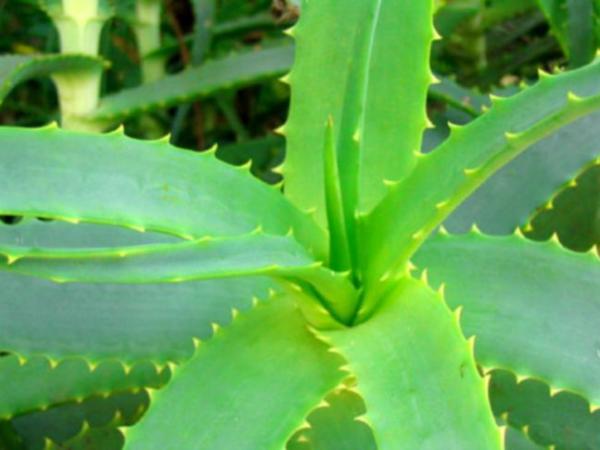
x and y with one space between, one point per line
104 438
127 322
580 32
355 71
445 177
38 382
533 306
573 213
266 346
251 255
15 69
254 254
433 398
572 23
32 233
67 422
141 185
562 420
557 15
507 199
333 425
230 72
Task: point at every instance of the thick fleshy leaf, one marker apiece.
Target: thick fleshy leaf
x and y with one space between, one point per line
561 419
573 214
28 249
507 199
231 72
63 423
15 69
355 71
127 322
38 382
417 374
572 23
445 177
143 185
534 307
54 234
248 387
103 438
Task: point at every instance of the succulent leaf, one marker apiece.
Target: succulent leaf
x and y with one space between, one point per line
127 322
507 199
363 78
533 306
250 255
140 185
272 368
561 419
434 400
68 422
230 72
463 162
28 384
15 69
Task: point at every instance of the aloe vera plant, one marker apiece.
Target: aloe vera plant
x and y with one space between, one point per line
338 313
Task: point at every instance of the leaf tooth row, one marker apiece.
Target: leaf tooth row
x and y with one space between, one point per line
582 422
476 172
99 380
117 420
549 204
348 383
174 369
139 226
469 341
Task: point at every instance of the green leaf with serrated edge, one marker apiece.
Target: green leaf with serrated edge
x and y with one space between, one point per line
573 213
456 96
533 306
265 155
38 382
580 32
563 419
597 20
140 184
507 199
274 372
127 322
417 374
572 23
250 255
326 60
333 425
15 69
105 438
557 16
66 422
230 72
445 177
33 233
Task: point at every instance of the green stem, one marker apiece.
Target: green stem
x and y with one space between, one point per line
79 24
78 95
146 28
